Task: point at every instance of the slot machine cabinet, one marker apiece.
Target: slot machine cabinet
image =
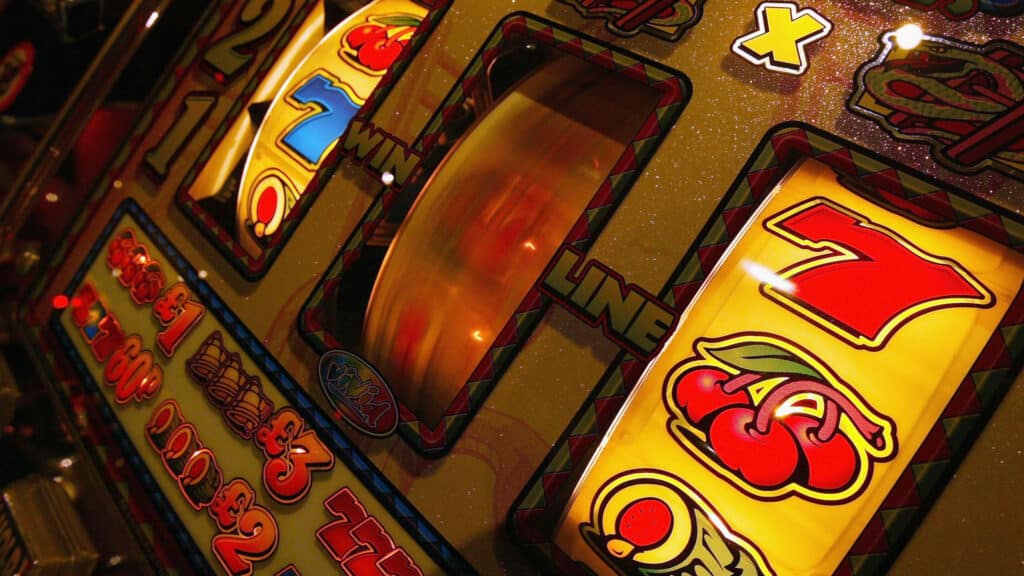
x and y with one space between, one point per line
567 287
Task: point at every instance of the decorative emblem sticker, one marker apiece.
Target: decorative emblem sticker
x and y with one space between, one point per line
648 522
666 19
359 393
963 99
774 420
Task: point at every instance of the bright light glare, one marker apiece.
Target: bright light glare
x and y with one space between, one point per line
478 336
909 36
766 276
153 17
51 197
387 178
785 410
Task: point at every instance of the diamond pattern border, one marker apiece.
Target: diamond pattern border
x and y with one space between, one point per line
546 494
674 89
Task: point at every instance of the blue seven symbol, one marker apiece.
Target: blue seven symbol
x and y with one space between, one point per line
314 135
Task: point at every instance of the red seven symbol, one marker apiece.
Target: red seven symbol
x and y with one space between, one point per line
867 280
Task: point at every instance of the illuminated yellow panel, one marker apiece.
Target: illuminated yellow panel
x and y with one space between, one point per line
313 108
239 137
799 383
314 89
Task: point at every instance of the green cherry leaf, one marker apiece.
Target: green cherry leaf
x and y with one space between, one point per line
762 358
399 21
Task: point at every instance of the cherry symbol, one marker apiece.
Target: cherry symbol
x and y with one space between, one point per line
373 47
363 34
764 456
836 404
266 207
832 463
380 53
702 391
120 248
642 524
830 456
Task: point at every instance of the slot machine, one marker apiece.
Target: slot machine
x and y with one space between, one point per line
601 287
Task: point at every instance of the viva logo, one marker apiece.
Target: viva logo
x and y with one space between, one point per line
359 393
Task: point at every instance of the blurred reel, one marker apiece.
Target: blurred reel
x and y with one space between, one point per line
489 220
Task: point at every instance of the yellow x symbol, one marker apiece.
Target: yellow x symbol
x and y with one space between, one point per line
783 32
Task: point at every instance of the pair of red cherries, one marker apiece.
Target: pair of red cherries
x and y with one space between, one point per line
773 443
376 45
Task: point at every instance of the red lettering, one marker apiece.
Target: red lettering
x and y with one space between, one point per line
359 543
378 547
398 563
132 372
138 257
337 536
99 327
82 303
249 532
868 280
148 283
256 541
108 338
293 452
120 249
235 498
179 314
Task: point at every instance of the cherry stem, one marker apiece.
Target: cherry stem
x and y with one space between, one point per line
830 422
833 400
739 381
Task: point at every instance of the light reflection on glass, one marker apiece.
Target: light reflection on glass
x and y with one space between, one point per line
766 276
